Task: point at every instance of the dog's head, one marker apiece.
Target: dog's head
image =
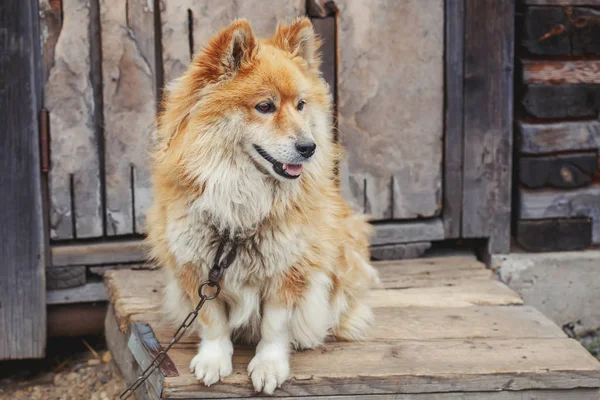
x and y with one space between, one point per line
261 100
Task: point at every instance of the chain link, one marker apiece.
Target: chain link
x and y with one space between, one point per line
214 277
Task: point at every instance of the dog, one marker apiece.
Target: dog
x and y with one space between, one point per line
245 153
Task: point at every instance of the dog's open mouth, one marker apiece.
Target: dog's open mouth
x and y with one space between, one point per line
289 171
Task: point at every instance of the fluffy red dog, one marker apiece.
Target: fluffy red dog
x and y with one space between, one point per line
245 150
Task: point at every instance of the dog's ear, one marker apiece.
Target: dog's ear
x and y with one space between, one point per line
299 39
228 51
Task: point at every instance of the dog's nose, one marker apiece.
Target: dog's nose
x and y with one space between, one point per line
306 149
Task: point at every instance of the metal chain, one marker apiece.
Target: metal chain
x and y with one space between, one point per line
215 275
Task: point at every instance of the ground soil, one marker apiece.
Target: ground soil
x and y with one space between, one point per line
74 369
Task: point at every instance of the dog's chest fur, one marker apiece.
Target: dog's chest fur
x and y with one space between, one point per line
264 254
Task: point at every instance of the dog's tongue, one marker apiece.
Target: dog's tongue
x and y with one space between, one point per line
293 169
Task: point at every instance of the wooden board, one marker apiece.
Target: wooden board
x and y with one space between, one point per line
407 232
488 110
548 235
562 136
561 101
391 100
99 253
326 30
399 251
453 134
129 112
75 183
561 31
571 3
88 293
550 203
24 243
423 323
561 72
442 351
205 18
409 367
562 171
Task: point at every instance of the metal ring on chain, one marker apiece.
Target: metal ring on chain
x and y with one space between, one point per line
211 284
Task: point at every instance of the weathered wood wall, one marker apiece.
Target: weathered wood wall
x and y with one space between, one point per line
558 127
23 241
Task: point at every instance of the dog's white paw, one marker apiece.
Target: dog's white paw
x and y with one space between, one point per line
213 361
268 371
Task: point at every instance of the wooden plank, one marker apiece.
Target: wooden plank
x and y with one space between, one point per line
578 394
131 251
88 293
562 31
453 134
75 188
129 114
462 294
554 234
407 232
545 31
117 343
23 232
326 30
566 171
565 3
399 251
552 203
395 156
50 25
562 136
409 367
561 72
488 110
206 17
423 323
562 101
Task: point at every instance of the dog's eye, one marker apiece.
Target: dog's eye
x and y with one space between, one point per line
301 105
265 107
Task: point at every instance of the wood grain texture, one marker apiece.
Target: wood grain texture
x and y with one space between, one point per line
99 253
488 99
407 232
561 72
566 3
453 135
423 323
550 235
551 203
561 101
562 136
206 18
50 25
23 233
391 99
117 342
409 367
399 251
561 31
326 30
75 188
566 171
88 293
577 394
129 114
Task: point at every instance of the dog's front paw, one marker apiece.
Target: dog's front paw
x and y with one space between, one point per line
213 361
268 371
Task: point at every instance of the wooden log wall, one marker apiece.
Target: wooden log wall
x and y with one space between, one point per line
558 125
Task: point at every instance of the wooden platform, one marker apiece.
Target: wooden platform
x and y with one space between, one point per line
445 331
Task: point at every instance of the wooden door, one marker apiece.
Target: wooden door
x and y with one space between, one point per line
410 87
